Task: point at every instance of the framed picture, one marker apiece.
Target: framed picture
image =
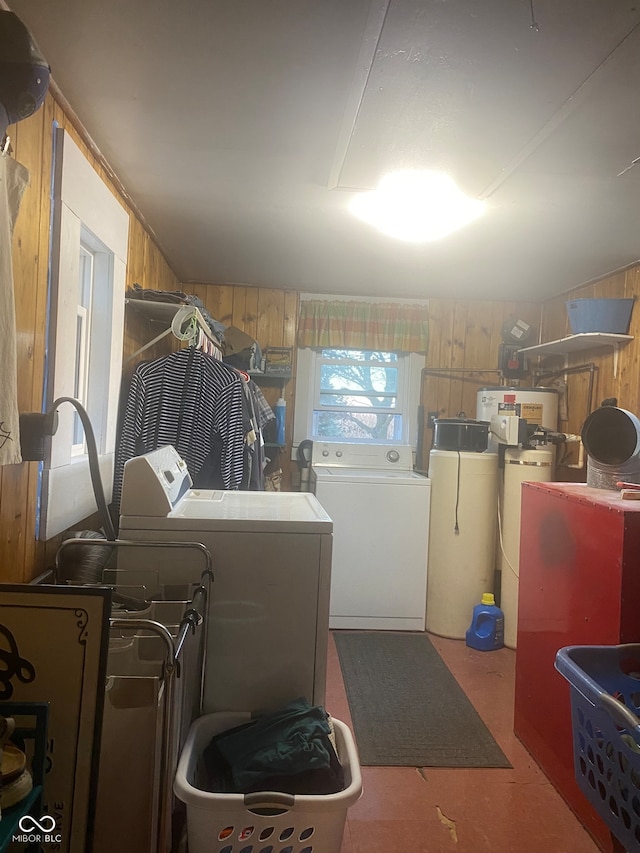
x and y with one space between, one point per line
53 648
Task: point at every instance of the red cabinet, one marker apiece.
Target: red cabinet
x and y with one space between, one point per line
579 585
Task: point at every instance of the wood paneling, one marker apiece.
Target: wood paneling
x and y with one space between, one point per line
625 385
464 339
22 557
270 317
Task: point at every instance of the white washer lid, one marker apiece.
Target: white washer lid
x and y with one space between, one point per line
202 510
370 475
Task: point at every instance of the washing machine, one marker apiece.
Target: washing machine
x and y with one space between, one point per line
380 512
268 615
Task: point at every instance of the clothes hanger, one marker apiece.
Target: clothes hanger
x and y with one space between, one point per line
190 331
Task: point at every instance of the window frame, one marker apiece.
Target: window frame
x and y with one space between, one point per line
399 364
83 207
84 320
308 362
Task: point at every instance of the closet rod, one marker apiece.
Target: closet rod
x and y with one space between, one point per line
193 314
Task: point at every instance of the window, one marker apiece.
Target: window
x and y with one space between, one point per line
83 345
90 235
357 395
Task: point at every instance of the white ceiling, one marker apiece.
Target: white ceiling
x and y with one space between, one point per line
241 128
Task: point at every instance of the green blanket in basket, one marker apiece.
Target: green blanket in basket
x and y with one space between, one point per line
289 750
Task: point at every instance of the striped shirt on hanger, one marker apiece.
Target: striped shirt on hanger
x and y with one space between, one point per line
195 403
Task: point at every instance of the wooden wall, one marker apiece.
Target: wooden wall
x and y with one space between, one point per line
464 339
269 316
625 383
462 356
21 556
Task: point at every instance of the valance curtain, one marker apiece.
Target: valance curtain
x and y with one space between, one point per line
384 326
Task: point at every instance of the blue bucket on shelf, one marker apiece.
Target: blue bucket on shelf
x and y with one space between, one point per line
599 315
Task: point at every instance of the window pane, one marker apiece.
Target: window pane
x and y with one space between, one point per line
351 377
78 377
86 278
352 426
78 381
358 395
359 355
359 401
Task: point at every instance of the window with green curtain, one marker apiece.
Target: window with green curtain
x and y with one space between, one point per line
385 326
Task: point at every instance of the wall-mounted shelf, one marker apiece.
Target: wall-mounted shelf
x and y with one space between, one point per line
581 342
263 378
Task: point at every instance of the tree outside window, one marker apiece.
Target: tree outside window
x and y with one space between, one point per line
357 395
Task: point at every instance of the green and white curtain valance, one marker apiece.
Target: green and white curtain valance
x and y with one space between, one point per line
383 326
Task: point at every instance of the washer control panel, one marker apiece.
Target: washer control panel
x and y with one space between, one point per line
375 456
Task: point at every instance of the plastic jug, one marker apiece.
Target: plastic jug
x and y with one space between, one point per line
280 412
486 631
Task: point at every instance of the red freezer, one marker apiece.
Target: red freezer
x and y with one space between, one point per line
579 585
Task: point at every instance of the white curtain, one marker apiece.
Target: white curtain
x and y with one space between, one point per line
13 181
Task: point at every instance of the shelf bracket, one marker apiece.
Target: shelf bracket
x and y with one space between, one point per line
149 344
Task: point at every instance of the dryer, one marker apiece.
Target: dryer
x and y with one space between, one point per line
380 512
268 622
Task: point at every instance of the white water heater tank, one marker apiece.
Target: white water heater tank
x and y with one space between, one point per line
537 406
520 466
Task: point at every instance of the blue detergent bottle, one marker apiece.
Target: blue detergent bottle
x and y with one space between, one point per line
280 412
486 631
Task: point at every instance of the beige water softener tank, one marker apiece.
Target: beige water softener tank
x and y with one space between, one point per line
464 501
519 466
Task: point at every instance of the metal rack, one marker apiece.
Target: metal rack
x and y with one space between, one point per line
153 692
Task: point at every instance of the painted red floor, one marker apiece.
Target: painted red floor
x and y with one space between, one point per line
442 810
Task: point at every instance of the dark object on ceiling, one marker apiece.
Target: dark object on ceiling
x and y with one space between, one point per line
24 72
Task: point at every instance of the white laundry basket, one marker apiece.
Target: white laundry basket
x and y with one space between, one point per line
262 822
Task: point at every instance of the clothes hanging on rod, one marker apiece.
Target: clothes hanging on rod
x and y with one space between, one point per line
195 403
260 413
263 411
137 293
186 324
207 345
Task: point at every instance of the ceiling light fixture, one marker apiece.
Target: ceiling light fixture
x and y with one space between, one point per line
416 206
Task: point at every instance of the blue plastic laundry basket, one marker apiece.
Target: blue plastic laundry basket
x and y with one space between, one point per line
605 701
